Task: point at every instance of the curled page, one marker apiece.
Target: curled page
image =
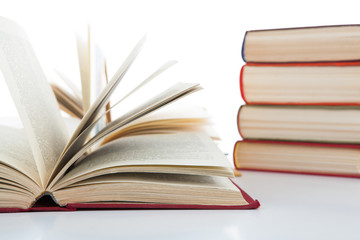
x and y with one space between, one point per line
96 107
181 153
33 97
147 80
76 149
104 96
83 46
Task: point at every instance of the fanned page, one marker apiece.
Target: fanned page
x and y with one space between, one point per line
33 97
95 122
180 116
68 103
77 149
98 81
83 47
94 110
104 96
87 122
180 153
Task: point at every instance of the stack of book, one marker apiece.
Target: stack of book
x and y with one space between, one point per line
301 87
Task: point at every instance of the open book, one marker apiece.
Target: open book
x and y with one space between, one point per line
135 161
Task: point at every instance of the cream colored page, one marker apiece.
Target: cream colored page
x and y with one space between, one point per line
84 128
15 151
186 149
155 188
71 124
33 97
178 110
160 178
83 46
94 110
76 149
178 116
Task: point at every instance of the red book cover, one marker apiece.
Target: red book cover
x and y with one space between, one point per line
252 204
319 64
307 144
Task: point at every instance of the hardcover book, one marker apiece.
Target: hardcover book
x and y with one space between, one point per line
332 84
298 157
305 44
137 160
335 124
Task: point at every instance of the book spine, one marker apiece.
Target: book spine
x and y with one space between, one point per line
235 161
44 194
238 123
243 48
241 84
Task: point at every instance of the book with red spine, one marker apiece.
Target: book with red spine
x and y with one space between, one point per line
322 83
330 124
340 160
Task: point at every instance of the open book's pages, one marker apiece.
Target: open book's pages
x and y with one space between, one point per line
142 157
67 102
298 157
305 44
169 169
160 168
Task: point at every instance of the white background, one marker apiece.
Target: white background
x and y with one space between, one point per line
205 37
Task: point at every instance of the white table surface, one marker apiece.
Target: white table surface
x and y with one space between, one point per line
292 207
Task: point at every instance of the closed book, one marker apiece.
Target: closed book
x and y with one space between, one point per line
298 157
332 124
301 84
305 44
